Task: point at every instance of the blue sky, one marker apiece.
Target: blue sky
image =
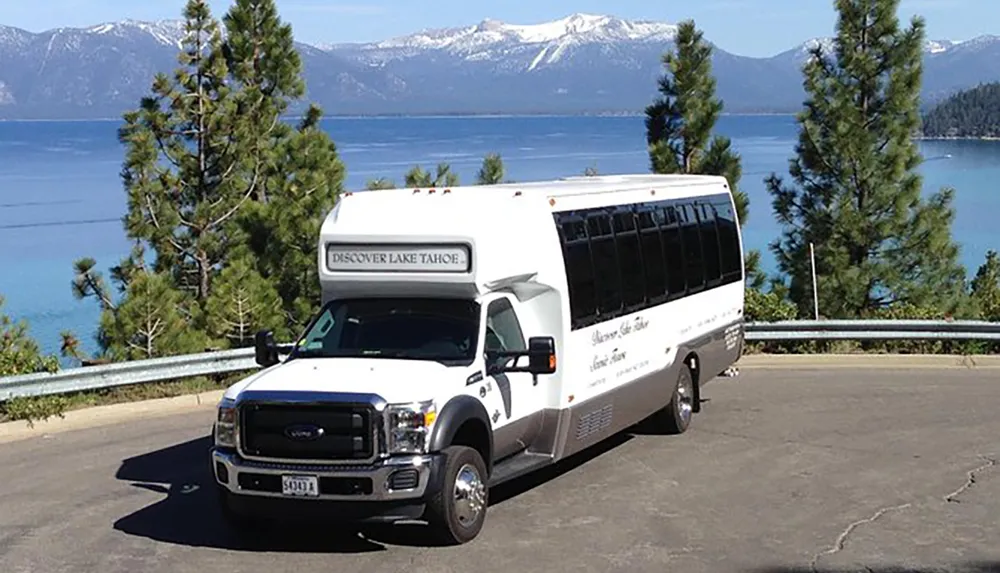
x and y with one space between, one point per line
748 27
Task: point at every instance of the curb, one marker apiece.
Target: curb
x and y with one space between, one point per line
108 415
873 361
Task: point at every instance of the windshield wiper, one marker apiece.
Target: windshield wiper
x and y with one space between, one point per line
309 353
373 352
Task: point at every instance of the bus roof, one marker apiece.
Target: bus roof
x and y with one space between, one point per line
568 186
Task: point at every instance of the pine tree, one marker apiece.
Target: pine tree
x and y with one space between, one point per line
243 302
443 177
986 288
282 234
680 121
297 169
19 353
89 283
213 174
184 186
151 317
491 172
180 173
379 184
265 65
150 322
971 113
69 347
857 196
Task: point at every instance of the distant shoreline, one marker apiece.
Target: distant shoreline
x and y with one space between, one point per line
484 115
959 138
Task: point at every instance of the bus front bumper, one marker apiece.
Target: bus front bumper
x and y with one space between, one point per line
390 490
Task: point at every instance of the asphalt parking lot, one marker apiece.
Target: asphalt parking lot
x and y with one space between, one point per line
783 471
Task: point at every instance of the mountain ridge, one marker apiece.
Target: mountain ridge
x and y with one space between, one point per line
582 63
934 46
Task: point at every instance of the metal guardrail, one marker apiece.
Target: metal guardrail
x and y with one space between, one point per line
127 373
801 330
228 361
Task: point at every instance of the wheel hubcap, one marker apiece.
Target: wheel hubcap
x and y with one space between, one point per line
685 398
470 495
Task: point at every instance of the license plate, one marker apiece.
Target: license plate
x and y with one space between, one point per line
302 486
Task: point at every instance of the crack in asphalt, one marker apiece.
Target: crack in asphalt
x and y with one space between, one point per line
971 480
842 538
841 542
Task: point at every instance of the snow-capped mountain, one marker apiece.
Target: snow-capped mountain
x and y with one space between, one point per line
827 45
13 37
512 47
939 46
583 62
493 38
167 32
103 70
580 63
949 65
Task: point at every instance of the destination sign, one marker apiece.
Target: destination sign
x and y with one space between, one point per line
398 258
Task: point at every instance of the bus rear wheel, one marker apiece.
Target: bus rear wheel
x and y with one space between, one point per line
675 417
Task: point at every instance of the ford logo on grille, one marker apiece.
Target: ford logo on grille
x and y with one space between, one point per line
304 432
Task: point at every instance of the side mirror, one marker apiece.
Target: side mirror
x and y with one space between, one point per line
265 350
541 355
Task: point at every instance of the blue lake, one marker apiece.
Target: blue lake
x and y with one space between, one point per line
61 197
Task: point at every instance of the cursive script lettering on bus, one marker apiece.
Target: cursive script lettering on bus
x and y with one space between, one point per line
625 328
599 337
601 362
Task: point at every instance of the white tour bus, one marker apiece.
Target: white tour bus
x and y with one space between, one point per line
468 336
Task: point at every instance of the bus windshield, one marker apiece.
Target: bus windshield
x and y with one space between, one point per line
443 330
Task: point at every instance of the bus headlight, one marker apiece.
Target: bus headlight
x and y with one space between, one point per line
225 425
409 426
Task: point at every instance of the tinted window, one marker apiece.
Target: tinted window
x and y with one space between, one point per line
579 269
629 258
606 268
574 229
693 260
673 252
623 259
729 242
710 243
652 254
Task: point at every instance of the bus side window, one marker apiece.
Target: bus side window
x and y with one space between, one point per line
579 268
606 269
673 251
729 242
710 244
503 330
630 264
652 255
694 260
